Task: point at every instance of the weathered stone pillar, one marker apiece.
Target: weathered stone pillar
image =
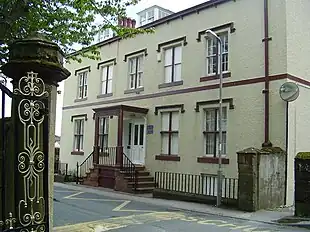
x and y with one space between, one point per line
35 67
261 178
302 184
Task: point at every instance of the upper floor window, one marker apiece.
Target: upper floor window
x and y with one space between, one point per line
143 19
212 54
173 61
211 132
170 133
82 84
150 16
106 79
78 134
136 72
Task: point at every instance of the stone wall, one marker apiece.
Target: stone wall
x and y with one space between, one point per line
261 178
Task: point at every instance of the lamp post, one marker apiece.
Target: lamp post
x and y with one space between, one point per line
3 81
219 65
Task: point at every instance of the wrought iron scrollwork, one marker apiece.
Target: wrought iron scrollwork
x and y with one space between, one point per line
31 208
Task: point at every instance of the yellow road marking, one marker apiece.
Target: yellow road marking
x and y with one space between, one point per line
65 191
121 206
73 195
94 199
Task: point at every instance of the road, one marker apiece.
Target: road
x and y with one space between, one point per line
88 212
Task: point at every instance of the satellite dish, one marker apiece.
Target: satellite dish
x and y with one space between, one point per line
289 91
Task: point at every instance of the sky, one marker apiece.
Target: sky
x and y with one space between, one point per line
173 5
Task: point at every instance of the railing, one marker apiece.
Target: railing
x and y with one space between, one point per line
60 168
205 185
129 168
107 156
85 166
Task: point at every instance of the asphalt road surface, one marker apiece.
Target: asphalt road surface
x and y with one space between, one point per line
88 212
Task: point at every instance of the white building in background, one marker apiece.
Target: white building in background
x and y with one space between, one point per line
152 14
145 16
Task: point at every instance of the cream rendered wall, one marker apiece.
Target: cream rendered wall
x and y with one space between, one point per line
298 136
246 60
298 37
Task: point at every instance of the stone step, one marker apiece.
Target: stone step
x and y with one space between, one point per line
144 190
142 178
142 184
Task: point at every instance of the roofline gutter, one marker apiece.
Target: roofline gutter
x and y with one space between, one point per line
266 91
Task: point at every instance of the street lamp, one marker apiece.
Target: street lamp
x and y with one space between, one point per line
219 66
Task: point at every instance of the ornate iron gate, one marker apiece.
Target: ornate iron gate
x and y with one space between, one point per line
24 156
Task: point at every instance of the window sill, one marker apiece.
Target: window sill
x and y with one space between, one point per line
77 152
105 95
211 160
137 90
171 84
214 77
80 100
168 157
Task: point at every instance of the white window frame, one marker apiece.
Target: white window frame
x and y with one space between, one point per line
173 64
210 59
170 132
143 18
103 133
78 134
135 75
82 84
150 12
215 131
106 77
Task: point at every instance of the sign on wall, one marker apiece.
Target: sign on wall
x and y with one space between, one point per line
150 129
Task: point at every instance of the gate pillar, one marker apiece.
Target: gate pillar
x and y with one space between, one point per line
35 66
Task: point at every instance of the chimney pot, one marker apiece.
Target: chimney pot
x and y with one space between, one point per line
134 23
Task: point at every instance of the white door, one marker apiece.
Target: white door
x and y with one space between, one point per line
135 145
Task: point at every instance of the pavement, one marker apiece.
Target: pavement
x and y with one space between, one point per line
86 209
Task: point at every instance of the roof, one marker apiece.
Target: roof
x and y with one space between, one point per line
155 6
175 16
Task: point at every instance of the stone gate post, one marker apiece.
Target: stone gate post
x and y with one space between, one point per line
261 178
35 66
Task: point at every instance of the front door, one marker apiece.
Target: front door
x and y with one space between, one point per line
136 142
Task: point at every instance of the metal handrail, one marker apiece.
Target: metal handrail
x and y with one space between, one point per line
84 167
130 168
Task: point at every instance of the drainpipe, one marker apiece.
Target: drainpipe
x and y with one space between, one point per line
266 40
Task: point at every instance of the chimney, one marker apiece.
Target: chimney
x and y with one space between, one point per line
127 22
134 23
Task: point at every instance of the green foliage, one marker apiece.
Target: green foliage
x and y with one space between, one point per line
303 155
66 22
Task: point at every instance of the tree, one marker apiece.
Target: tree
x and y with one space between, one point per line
66 22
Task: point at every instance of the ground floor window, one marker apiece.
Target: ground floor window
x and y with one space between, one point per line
78 135
170 133
103 132
211 131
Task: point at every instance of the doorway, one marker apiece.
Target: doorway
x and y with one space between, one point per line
134 134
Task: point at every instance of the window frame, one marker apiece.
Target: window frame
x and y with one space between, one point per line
82 85
137 71
173 64
214 56
170 132
79 134
106 79
215 132
103 133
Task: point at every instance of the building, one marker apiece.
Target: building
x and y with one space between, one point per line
152 14
155 96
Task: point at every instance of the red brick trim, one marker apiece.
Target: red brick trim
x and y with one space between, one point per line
168 157
77 152
211 160
214 77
